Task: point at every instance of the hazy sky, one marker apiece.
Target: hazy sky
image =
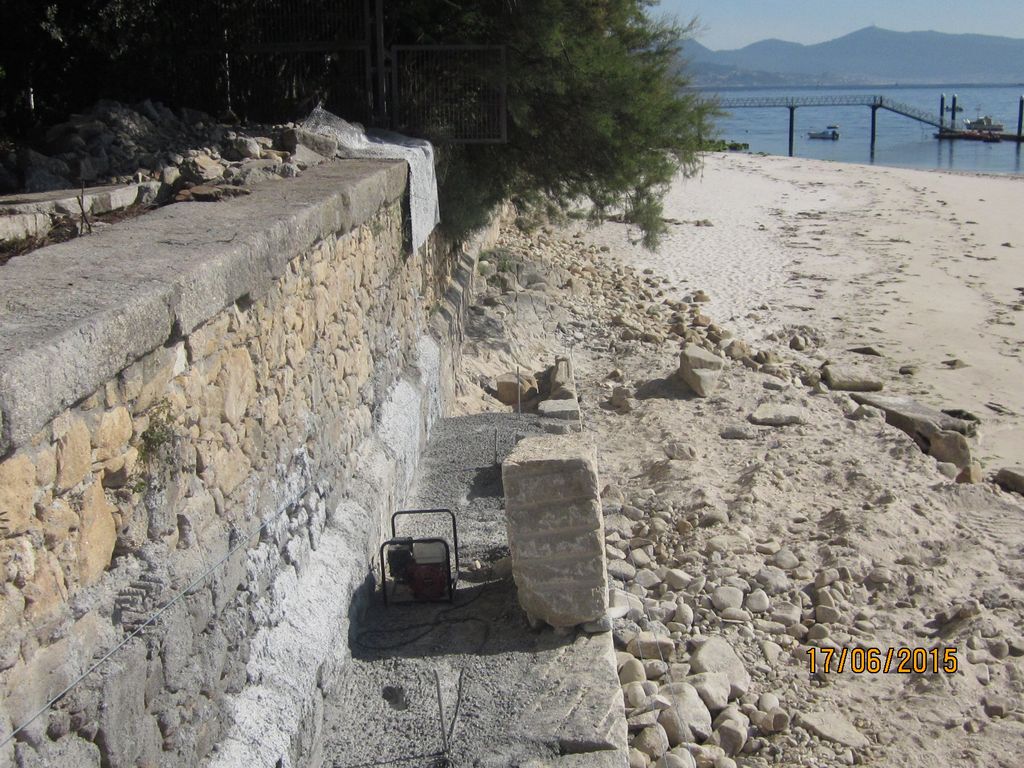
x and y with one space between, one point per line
735 23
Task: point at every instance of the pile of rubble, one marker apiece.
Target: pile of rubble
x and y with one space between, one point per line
115 157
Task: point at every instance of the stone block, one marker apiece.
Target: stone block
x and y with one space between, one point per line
128 735
516 388
74 455
23 225
847 378
98 535
567 410
1011 479
547 519
238 381
292 138
17 492
699 369
113 433
555 530
563 381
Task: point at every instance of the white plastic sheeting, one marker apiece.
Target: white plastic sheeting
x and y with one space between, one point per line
384 145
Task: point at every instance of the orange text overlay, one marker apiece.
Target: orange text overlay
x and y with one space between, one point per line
903 661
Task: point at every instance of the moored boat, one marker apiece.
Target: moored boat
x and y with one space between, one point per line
830 133
984 124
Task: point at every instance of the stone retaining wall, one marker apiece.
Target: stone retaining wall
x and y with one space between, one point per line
255 376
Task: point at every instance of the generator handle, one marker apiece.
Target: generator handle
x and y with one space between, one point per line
455 533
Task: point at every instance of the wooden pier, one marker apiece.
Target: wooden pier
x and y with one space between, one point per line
875 103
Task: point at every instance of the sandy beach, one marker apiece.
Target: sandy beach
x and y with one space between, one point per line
923 266
770 518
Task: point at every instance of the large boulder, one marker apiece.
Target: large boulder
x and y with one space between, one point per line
699 369
909 415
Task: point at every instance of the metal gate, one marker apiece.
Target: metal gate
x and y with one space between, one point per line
274 60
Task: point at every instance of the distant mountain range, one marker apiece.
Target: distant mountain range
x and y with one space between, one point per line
868 56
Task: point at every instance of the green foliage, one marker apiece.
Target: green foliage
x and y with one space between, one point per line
597 108
721 145
159 434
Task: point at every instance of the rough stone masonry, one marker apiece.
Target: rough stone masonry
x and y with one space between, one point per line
556 530
168 385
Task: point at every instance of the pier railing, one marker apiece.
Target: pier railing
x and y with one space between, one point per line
792 102
853 100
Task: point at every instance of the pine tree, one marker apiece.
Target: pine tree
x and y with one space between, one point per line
598 108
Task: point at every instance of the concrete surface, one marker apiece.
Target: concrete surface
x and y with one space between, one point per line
527 698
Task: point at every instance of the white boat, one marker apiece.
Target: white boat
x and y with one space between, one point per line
985 124
831 133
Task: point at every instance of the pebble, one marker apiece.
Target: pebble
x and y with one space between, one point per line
737 433
731 736
655 668
787 614
652 741
647 578
689 709
713 689
676 760
734 614
999 649
683 614
632 671
647 645
826 577
879 576
996 706
620 569
827 614
773 579
757 601
785 559
677 579
726 597
634 694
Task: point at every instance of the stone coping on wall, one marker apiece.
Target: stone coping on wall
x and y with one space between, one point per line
73 315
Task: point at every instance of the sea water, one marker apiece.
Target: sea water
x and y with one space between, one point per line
900 141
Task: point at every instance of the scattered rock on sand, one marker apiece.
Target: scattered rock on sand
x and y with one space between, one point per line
716 655
689 708
679 451
949 446
1011 478
911 416
776 415
699 369
737 432
834 727
849 379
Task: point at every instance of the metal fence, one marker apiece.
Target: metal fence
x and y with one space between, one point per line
451 93
274 60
